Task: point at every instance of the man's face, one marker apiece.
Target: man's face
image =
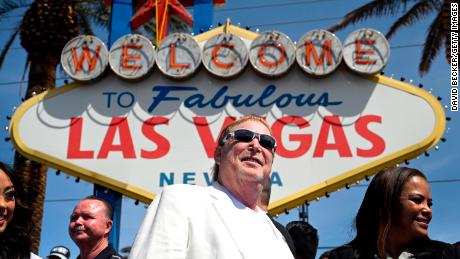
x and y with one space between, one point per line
244 162
89 223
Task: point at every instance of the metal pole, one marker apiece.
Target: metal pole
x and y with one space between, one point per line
122 11
303 212
114 198
202 15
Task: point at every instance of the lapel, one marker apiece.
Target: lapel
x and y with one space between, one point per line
278 233
225 209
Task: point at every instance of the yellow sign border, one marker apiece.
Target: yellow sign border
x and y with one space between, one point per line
359 173
277 207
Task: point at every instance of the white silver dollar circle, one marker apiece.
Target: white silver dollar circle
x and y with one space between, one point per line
366 51
178 55
84 58
319 52
132 56
272 53
225 55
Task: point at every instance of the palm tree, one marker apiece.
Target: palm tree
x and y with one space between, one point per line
45 28
438 32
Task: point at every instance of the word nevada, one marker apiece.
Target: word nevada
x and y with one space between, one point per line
226 55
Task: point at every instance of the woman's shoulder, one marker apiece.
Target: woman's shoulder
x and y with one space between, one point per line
438 249
447 250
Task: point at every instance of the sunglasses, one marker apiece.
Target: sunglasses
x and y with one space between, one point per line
246 136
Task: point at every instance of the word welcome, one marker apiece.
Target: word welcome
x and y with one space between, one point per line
179 55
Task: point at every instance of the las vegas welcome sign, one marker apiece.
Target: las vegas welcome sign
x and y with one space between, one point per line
152 118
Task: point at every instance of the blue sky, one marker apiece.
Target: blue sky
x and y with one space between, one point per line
332 216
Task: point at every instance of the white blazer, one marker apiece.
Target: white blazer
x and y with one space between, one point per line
187 221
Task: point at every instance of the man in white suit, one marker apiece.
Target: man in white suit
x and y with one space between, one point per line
221 221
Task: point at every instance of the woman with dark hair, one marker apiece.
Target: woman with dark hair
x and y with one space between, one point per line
14 217
393 220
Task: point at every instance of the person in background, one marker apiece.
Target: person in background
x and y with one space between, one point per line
457 247
89 227
393 220
305 239
264 200
15 224
223 220
59 252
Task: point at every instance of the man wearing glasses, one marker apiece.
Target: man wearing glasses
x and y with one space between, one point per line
223 220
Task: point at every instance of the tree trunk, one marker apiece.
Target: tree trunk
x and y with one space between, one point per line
42 77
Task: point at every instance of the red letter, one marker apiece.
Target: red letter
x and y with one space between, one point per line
310 49
85 54
209 142
74 145
148 129
271 64
214 56
360 53
341 143
126 146
126 58
303 139
378 143
172 59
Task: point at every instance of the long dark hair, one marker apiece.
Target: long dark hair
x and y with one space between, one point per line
15 241
379 209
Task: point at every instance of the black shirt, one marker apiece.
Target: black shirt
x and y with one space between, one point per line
108 253
285 233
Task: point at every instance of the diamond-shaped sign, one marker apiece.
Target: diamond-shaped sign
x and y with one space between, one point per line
137 137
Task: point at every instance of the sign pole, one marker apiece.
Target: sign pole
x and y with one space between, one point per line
303 213
114 198
119 26
202 15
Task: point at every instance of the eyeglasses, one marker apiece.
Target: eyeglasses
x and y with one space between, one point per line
244 135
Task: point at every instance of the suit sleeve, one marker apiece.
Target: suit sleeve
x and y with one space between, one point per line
164 231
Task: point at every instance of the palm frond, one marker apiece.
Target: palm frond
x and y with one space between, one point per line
373 8
101 15
24 72
445 20
7 6
95 11
84 24
8 44
436 35
417 12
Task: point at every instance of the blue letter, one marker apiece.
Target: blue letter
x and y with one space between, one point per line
163 92
131 102
207 178
216 97
324 100
188 177
276 179
109 94
164 178
265 94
